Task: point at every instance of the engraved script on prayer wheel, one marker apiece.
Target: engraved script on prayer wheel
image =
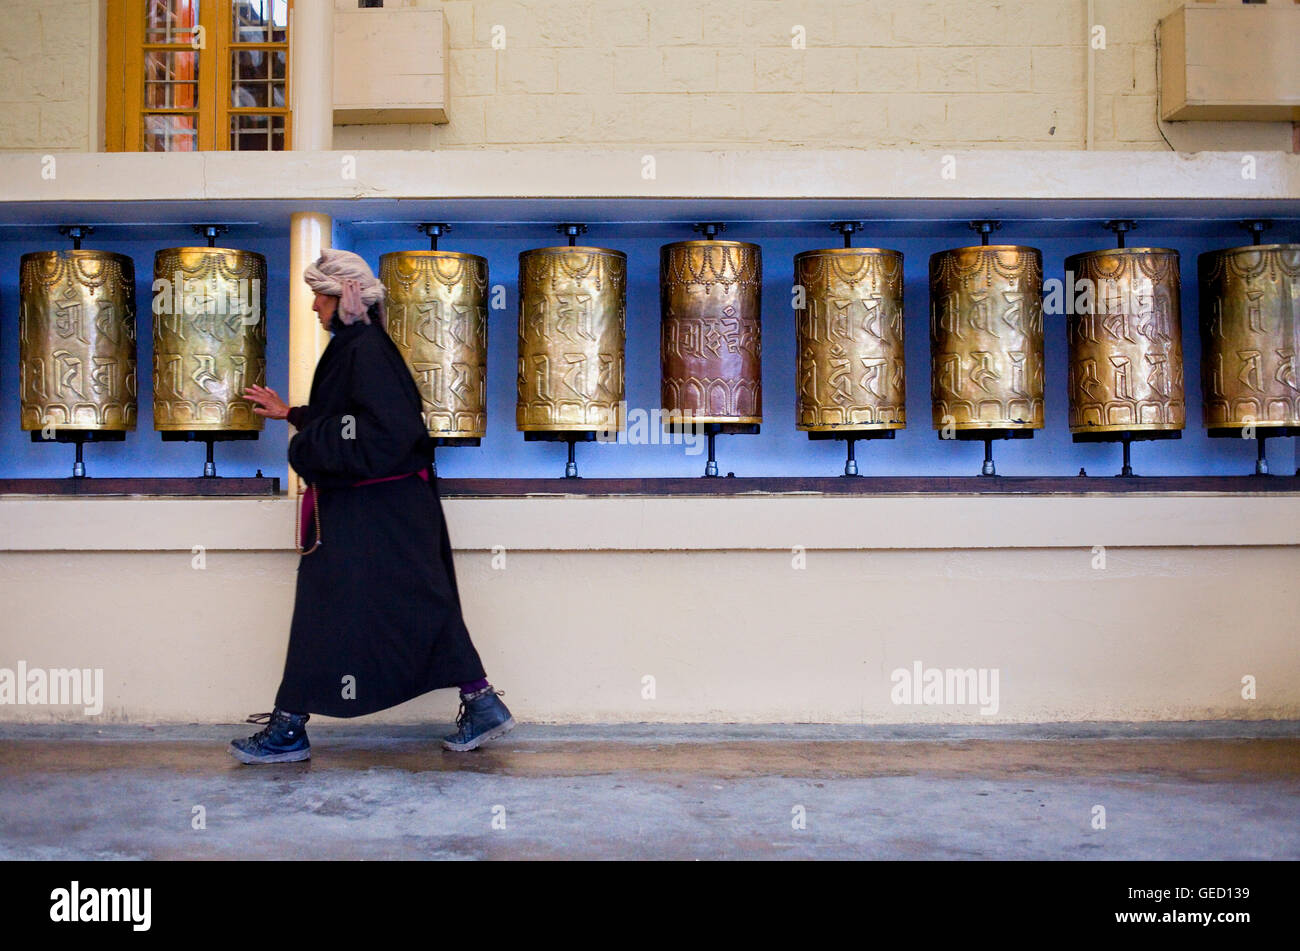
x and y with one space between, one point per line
986 337
209 339
710 343
1125 341
437 316
572 331
1250 336
76 339
850 340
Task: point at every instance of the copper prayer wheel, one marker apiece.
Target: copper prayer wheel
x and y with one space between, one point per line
986 338
710 343
1250 336
850 340
209 339
1125 342
76 333
437 316
572 331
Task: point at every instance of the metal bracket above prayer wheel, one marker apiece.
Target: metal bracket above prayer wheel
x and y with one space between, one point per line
434 230
211 232
76 233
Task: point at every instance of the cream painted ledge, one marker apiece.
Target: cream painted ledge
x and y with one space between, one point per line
677 524
561 173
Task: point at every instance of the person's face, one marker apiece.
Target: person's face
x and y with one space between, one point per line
325 305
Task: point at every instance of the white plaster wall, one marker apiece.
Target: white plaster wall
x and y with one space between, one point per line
728 636
1194 595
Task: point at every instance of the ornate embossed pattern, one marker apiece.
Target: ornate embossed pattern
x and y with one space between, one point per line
209 338
76 339
1250 335
849 338
986 337
437 316
572 330
1126 350
710 342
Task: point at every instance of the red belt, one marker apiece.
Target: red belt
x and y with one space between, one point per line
309 499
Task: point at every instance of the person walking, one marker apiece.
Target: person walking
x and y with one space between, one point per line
377 616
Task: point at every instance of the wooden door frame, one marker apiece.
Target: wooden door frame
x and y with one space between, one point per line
124 76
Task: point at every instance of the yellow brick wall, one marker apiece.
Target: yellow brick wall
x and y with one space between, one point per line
721 74
873 74
49 75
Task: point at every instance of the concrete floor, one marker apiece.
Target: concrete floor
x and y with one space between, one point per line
1170 791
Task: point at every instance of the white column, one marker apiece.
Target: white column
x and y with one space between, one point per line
309 232
311 81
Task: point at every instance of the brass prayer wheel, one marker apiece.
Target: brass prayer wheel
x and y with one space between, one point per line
850 340
986 338
209 339
572 331
76 339
710 343
1250 336
437 316
1125 341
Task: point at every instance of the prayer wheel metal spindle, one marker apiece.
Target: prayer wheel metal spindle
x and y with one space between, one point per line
76 339
986 342
710 343
572 335
1125 346
209 344
1250 338
849 338
437 316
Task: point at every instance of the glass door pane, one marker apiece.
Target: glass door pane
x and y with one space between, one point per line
171 79
170 21
260 21
256 133
171 133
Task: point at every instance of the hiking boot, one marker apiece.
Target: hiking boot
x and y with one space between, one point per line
284 740
482 717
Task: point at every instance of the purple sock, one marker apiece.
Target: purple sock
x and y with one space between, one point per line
473 685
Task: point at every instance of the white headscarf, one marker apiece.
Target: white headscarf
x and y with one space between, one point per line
348 277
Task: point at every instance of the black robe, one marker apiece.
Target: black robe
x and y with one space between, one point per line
377 600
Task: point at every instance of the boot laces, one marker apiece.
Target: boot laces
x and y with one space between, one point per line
269 720
462 715
265 732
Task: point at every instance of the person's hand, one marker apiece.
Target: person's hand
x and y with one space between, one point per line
269 402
